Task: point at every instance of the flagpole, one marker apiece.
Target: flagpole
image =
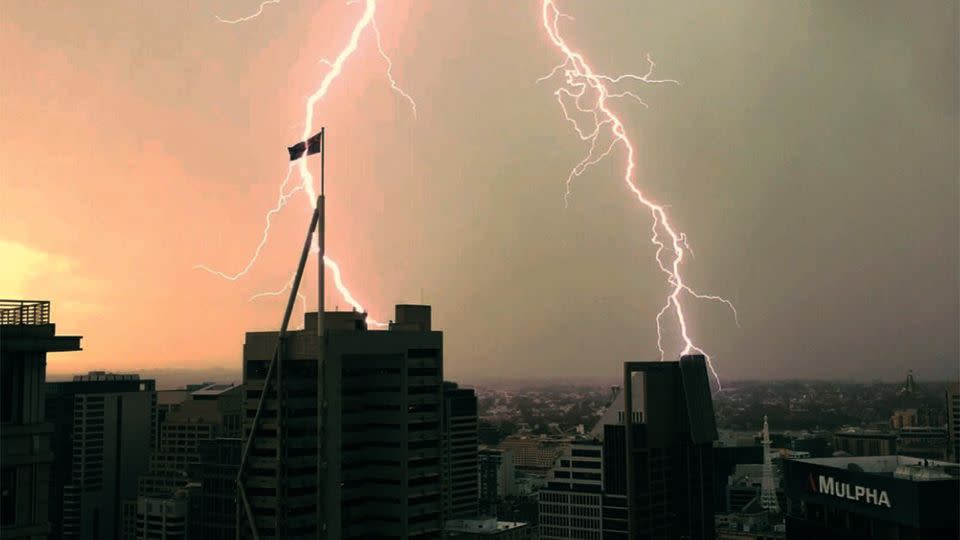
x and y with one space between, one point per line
322 449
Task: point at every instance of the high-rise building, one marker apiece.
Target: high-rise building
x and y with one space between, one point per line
460 446
953 419
497 480
658 464
381 441
572 502
26 336
105 430
213 503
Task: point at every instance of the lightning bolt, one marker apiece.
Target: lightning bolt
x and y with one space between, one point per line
589 94
253 15
307 182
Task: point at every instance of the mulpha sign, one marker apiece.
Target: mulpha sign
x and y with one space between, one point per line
826 485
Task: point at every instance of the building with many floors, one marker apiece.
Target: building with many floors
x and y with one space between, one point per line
379 471
26 337
872 497
105 431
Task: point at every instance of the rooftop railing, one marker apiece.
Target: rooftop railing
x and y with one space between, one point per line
24 312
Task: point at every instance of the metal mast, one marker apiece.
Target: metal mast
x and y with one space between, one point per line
273 387
768 484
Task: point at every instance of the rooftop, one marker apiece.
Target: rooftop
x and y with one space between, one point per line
911 468
482 525
24 312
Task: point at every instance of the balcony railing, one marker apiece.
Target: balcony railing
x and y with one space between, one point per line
24 312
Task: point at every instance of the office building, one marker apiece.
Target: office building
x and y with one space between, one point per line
489 529
924 442
209 412
213 502
872 497
865 442
953 419
903 418
105 430
460 444
497 478
572 501
161 506
381 442
534 455
658 462
26 336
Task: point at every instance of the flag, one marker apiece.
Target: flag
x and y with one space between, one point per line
310 146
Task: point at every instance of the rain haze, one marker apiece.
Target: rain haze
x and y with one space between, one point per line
809 153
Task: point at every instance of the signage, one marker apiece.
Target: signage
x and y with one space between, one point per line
826 485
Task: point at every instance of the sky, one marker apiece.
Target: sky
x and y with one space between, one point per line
809 153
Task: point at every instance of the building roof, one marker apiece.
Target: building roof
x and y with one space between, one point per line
482 525
899 466
215 389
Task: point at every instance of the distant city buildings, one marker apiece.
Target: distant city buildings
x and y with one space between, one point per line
26 336
865 442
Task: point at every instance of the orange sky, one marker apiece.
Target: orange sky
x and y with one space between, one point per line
810 155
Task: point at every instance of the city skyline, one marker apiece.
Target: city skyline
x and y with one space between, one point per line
809 154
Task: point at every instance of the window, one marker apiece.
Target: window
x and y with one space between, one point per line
7 386
8 496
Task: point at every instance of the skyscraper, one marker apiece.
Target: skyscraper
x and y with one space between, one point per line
460 446
26 336
658 464
380 442
105 429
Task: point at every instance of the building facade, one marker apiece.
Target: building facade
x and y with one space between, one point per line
105 431
497 478
872 497
461 491
661 478
865 442
213 503
26 336
953 419
572 502
374 465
